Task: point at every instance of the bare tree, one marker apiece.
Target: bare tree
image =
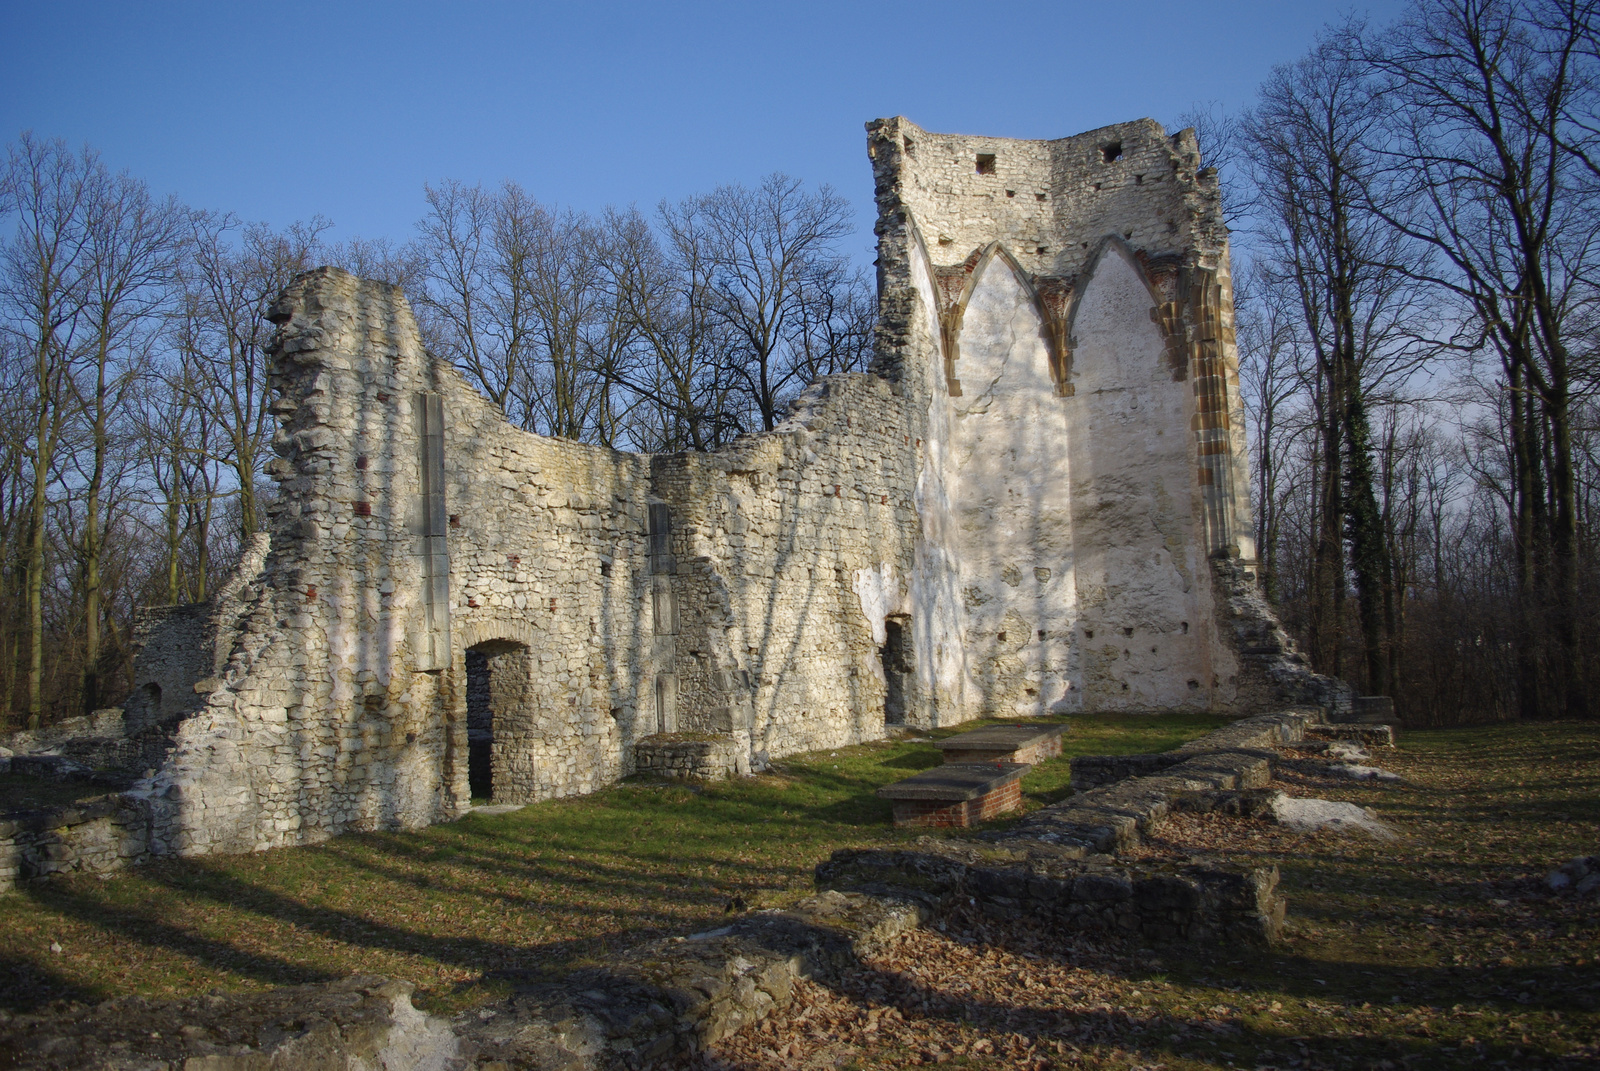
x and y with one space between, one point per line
1309 142
133 245
44 275
223 333
474 247
1270 374
765 246
1495 165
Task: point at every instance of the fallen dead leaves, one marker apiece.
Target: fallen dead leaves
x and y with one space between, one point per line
1441 950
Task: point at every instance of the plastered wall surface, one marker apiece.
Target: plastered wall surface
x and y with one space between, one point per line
1010 477
1143 577
1019 509
1083 437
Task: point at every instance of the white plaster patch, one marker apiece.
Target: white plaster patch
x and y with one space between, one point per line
1009 491
939 655
879 592
1135 504
923 284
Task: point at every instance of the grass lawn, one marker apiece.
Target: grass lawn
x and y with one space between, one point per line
532 889
1439 949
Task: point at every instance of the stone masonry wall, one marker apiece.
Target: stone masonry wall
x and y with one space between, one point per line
1032 488
791 549
182 646
1064 308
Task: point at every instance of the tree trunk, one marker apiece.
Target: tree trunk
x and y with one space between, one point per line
1369 554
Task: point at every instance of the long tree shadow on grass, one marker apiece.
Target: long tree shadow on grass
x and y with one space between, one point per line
144 927
681 879
1162 1036
363 931
27 984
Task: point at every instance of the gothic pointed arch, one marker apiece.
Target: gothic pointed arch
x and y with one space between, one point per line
1163 279
1187 305
958 293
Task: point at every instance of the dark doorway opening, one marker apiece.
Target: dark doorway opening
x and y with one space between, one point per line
480 727
896 656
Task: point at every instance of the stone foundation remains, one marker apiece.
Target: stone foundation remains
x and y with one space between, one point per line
693 756
1034 502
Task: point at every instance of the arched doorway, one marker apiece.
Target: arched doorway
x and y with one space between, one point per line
142 708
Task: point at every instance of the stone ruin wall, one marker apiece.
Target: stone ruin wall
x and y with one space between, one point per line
789 547
1063 309
182 646
342 704
1014 512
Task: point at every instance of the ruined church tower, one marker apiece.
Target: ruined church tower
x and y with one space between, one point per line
1033 502
1060 313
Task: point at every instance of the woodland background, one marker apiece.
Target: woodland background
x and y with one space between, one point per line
1416 243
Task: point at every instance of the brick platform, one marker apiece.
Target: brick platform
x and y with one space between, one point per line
956 795
1004 743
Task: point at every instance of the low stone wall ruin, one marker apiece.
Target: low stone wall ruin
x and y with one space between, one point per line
94 836
693 756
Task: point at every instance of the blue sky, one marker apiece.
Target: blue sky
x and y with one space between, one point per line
287 110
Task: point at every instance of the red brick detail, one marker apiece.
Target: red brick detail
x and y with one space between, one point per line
363 509
961 814
311 593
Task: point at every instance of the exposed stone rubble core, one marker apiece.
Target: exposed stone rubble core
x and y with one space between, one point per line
668 999
95 836
693 756
1370 735
1034 502
1019 878
1236 757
